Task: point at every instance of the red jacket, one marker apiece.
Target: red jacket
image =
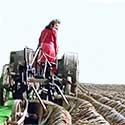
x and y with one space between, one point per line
48 43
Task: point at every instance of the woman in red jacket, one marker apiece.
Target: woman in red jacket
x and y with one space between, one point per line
48 44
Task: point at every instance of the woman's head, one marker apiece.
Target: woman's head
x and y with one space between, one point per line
53 24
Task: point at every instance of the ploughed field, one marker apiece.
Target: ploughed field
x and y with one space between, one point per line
100 105
94 104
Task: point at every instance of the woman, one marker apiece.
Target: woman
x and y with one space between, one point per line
48 44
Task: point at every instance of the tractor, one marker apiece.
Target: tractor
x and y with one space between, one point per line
39 93
24 70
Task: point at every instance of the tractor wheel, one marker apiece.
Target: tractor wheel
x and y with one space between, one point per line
70 68
1 95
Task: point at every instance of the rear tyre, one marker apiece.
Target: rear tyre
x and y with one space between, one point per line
69 67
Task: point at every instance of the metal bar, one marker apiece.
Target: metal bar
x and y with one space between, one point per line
61 93
42 103
36 53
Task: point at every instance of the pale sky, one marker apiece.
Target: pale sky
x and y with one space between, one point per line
95 29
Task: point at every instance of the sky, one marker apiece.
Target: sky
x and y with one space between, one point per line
95 29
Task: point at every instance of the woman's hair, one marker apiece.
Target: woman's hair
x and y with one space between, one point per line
51 24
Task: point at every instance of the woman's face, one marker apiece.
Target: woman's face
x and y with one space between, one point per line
56 26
